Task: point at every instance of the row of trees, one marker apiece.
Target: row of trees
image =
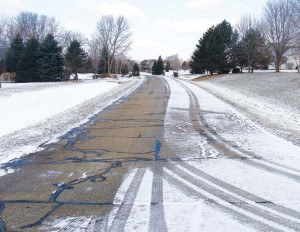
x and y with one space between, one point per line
254 43
32 44
35 61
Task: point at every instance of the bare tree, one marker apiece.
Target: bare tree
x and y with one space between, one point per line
3 44
66 37
246 23
278 26
94 53
175 61
32 25
114 35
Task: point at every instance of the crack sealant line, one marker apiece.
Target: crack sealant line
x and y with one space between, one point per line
264 162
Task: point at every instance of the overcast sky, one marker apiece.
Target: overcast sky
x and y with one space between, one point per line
159 27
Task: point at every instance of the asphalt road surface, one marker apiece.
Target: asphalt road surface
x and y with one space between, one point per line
153 161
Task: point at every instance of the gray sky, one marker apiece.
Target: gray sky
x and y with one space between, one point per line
162 27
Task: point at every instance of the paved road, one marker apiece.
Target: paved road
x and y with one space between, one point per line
154 161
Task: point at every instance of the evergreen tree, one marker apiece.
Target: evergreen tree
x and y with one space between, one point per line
154 68
75 58
135 70
184 66
200 59
213 53
168 67
27 68
13 53
103 62
160 66
50 62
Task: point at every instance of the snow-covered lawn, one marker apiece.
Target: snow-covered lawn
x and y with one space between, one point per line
270 99
23 109
47 110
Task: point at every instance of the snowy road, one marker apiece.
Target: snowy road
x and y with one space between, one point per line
169 157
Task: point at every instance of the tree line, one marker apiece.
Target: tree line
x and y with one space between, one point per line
36 48
253 43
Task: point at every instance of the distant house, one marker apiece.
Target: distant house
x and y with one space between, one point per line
146 65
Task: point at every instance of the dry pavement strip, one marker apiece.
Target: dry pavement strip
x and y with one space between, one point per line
80 175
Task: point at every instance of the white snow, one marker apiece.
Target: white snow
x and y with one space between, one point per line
138 219
26 108
227 204
276 188
120 194
184 140
234 126
270 99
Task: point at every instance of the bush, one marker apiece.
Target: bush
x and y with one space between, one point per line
9 77
236 70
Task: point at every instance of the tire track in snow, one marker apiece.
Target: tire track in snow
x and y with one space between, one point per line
118 224
230 148
157 215
249 196
194 193
234 202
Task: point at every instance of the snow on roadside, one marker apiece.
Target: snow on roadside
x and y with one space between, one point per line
234 126
28 108
90 97
271 99
184 213
179 132
256 181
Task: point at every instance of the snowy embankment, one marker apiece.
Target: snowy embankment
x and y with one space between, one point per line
269 99
36 113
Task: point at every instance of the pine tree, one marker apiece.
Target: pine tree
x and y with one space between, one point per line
13 53
213 52
184 66
135 70
168 67
27 68
160 66
154 68
50 62
75 58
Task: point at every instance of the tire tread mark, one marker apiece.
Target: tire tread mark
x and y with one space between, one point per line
211 133
157 215
245 220
123 213
233 200
238 191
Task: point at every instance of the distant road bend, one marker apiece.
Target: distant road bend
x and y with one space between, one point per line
168 157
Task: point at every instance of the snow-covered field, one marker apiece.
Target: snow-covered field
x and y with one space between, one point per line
269 99
34 113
